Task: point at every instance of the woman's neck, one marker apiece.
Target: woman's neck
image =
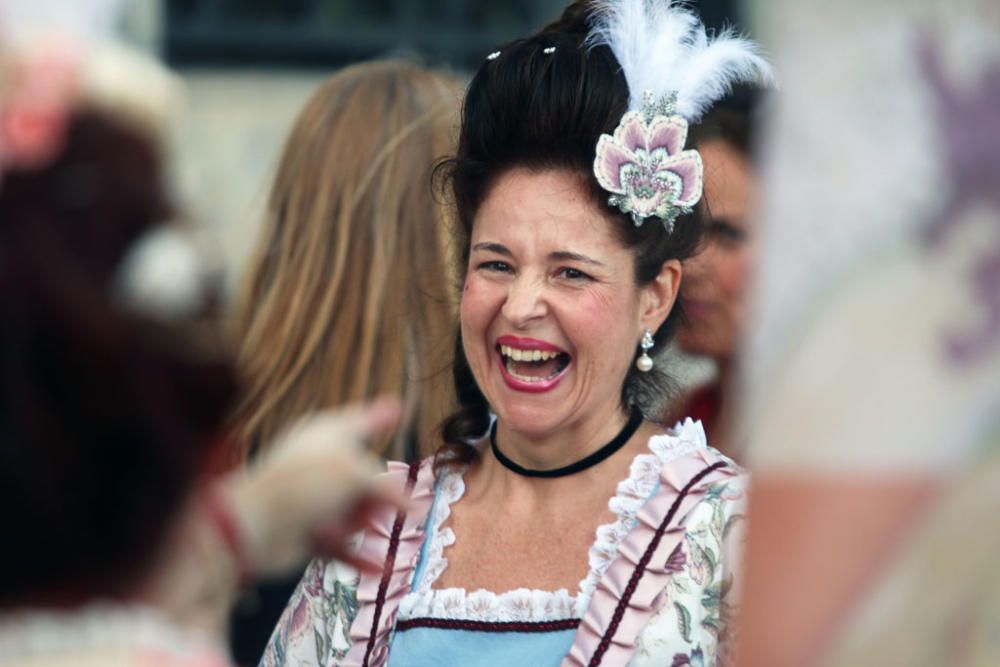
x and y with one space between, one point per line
563 446
723 438
725 368
556 450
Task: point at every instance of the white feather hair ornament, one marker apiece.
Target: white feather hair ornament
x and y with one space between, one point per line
664 49
675 72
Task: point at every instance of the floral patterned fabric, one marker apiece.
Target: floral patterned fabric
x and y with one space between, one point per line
693 626
314 629
690 625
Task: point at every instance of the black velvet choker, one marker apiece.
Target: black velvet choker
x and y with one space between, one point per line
604 452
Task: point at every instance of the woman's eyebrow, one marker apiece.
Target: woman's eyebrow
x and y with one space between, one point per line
564 255
490 246
558 256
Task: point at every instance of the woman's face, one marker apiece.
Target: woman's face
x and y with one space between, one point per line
713 293
551 314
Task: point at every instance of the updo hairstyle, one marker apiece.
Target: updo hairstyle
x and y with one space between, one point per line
542 103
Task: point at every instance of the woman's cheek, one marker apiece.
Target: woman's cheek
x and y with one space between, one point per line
734 273
475 305
468 296
595 308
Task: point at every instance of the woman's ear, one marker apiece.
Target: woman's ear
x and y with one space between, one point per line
658 297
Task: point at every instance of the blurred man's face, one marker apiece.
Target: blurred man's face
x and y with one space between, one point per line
714 287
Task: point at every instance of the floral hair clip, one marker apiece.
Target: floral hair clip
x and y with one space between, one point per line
675 72
644 167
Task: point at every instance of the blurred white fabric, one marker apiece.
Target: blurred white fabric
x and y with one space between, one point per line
856 312
874 360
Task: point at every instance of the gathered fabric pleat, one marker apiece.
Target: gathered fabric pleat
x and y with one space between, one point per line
394 539
633 588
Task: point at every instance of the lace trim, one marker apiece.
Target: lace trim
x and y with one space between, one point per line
687 438
525 604
452 488
520 605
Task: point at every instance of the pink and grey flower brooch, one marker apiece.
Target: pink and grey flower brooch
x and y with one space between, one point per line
645 168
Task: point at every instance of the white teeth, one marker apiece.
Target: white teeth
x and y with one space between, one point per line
527 355
523 378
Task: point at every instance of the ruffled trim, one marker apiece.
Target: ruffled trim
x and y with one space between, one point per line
629 498
685 439
520 605
374 622
622 603
535 605
452 487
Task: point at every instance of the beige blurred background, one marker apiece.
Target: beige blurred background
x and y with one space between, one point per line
225 149
225 142
237 108
239 102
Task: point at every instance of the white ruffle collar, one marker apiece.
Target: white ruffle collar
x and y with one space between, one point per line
532 605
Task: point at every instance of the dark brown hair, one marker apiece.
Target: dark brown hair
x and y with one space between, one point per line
106 418
542 103
735 120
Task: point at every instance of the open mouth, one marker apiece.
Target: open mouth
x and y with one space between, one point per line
532 365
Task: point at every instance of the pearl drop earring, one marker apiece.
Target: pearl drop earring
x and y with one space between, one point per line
645 363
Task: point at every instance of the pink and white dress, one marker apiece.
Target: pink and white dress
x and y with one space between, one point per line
659 591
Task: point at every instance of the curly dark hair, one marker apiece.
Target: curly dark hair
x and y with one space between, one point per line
538 108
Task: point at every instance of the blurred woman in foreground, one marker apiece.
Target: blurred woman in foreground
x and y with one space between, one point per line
124 543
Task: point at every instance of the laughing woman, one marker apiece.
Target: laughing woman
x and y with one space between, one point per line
574 531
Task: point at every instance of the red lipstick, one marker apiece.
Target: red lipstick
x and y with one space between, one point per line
527 344
533 386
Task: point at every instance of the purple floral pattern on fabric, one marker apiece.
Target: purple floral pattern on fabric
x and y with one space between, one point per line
644 167
694 659
314 629
695 623
677 560
969 125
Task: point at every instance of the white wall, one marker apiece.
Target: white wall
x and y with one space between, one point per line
225 148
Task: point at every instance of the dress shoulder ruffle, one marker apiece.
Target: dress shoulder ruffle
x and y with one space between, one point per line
632 589
399 536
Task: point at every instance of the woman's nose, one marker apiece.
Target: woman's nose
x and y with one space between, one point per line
525 302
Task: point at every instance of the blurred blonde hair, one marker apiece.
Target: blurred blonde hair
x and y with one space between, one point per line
349 292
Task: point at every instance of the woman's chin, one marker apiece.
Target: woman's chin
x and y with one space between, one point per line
529 419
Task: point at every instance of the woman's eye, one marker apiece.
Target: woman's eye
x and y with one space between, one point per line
726 233
495 265
573 274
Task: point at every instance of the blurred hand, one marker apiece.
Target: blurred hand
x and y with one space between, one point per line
313 489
